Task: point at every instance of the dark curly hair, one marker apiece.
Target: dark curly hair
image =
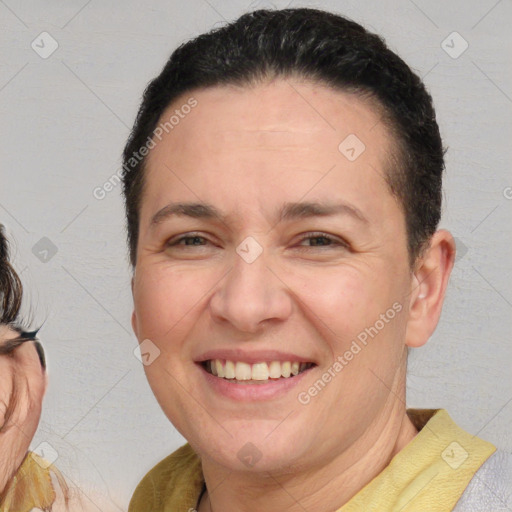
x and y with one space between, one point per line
11 294
318 46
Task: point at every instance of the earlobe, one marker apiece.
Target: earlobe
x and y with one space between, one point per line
428 288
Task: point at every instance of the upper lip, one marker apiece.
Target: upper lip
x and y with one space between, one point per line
252 356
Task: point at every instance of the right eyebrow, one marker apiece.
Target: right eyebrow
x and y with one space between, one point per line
194 210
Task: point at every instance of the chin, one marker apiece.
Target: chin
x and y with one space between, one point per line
254 450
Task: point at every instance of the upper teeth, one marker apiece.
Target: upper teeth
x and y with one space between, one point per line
259 371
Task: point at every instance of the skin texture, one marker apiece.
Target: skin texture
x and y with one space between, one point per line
247 151
22 376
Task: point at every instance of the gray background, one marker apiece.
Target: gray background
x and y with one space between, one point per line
65 119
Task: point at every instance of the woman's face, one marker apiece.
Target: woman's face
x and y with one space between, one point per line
22 387
264 279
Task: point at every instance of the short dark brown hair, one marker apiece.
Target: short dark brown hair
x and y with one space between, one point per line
325 48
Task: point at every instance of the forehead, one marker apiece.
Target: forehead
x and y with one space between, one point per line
284 136
276 113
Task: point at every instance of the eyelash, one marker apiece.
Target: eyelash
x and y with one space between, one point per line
333 241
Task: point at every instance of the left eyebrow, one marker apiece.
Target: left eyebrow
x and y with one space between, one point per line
302 210
288 212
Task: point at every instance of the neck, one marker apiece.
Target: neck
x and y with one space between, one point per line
320 488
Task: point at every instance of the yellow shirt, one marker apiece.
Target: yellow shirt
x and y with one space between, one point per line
429 474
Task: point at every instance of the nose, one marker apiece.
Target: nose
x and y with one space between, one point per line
250 295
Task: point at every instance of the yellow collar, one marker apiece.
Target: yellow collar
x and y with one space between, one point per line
429 473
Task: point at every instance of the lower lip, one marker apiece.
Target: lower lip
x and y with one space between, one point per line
252 392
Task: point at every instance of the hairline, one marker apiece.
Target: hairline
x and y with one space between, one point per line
393 165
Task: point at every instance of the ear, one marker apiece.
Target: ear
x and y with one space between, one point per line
428 288
134 314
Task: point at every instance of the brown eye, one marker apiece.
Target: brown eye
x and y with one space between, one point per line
191 240
322 240
188 240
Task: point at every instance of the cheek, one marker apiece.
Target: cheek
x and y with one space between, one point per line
338 300
358 313
164 301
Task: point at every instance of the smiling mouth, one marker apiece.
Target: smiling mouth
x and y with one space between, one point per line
258 373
